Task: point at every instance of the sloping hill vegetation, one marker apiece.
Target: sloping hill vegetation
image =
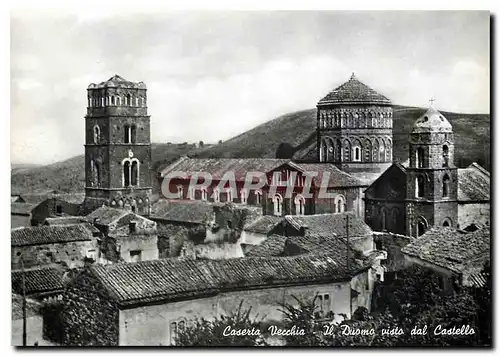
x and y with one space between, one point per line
290 134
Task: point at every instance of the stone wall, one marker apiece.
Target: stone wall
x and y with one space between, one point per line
72 253
213 251
19 221
473 214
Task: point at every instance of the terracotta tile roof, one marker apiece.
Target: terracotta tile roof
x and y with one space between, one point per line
473 183
117 81
354 92
274 245
330 224
106 215
73 198
217 167
41 235
263 224
39 280
450 248
32 307
191 211
170 279
336 177
21 208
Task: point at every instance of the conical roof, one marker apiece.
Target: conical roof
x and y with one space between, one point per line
431 121
117 81
354 92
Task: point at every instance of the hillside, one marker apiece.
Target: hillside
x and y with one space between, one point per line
294 132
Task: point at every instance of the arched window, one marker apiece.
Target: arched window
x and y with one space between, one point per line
357 151
120 203
134 179
446 156
180 192
95 174
118 100
347 151
126 173
216 195
446 223
192 193
419 187
130 172
419 159
129 99
258 197
395 218
204 195
243 196
421 226
143 102
278 205
339 204
97 134
446 186
300 204
383 219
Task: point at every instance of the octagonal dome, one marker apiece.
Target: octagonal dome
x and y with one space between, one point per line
354 92
431 121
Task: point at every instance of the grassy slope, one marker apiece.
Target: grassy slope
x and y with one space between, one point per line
472 143
472 136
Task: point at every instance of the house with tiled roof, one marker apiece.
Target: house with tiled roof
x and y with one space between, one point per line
168 293
311 188
20 214
257 230
227 179
458 256
55 205
47 245
428 190
126 236
473 196
34 322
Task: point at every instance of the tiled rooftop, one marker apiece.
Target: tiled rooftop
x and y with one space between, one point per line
190 211
39 280
41 235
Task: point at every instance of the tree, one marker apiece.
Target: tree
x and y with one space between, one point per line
222 330
201 144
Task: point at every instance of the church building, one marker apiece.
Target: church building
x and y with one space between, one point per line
117 146
354 129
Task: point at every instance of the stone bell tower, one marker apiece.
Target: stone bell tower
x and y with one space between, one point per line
117 146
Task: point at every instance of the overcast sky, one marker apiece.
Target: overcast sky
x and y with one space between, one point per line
213 75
